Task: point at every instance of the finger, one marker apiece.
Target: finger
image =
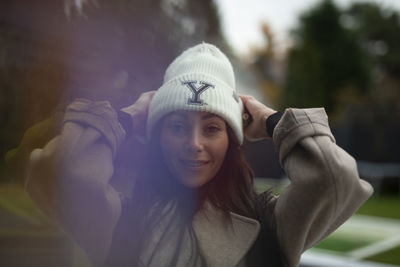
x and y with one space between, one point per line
145 98
141 103
151 95
244 98
242 95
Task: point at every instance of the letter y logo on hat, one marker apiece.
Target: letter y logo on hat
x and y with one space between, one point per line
197 91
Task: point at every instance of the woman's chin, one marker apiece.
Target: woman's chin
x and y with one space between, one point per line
193 181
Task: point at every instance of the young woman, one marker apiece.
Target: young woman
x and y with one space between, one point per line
193 203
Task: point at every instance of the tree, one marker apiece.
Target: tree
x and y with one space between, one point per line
325 59
267 67
378 31
374 121
349 62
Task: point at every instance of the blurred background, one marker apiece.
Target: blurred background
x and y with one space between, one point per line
341 55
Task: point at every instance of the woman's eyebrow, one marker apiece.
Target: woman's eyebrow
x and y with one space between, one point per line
209 116
179 115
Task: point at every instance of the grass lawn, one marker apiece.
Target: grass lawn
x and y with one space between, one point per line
338 244
382 206
379 206
391 256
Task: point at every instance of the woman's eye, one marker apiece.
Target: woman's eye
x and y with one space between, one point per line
177 128
213 129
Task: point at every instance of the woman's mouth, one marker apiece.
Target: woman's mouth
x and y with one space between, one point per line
193 164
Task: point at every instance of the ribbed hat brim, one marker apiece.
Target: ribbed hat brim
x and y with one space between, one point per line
219 99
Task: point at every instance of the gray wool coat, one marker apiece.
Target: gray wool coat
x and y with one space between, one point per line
69 181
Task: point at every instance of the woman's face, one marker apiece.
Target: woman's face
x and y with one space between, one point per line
194 145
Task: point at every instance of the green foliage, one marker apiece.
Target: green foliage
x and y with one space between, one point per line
337 50
326 58
379 31
348 61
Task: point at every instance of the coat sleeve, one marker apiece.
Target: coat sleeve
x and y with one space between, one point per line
325 188
68 178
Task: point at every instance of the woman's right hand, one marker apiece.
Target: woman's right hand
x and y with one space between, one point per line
138 112
256 130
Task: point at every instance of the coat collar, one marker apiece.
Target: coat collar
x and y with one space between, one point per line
223 243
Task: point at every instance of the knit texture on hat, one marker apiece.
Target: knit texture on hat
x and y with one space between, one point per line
200 79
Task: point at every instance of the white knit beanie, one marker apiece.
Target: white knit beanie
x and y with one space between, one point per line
200 79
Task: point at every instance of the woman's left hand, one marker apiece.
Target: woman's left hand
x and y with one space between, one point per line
256 130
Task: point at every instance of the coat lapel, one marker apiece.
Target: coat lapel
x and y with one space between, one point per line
223 243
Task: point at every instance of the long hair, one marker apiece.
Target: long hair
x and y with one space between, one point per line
158 196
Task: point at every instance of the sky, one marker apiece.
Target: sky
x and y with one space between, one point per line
241 19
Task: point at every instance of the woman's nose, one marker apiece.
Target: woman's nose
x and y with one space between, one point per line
195 140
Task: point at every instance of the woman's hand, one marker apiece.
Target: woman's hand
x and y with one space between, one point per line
256 130
138 112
